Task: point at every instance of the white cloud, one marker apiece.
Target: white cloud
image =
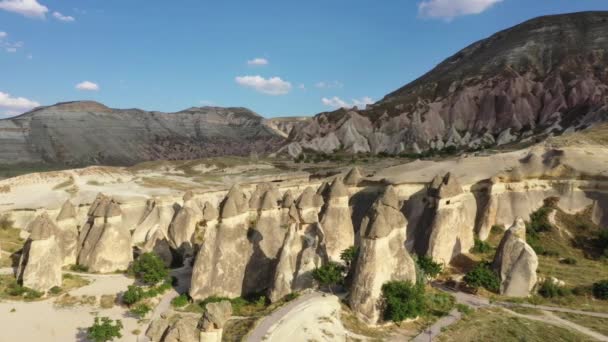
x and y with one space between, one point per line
11 49
88 86
301 86
270 86
258 61
15 105
448 9
329 85
337 102
64 18
3 34
29 56
28 8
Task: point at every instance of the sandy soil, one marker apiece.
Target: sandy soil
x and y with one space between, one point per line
42 321
316 319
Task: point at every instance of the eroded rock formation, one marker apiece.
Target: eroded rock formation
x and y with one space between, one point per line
219 268
516 262
213 320
67 233
336 220
41 259
382 256
105 246
303 247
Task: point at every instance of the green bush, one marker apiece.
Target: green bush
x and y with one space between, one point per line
140 310
568 261
150 269
438 303
55 290
15 290
600 290
291 296
32 294
483 276
427 265
330 274
464 309
549 289
180 301
349 255
79 268
133 295
402 300
481 247
104 330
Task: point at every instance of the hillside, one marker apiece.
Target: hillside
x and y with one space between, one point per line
545 76
88 133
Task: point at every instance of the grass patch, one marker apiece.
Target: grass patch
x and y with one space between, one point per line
497 326
73 281
352 324
597 324
10 243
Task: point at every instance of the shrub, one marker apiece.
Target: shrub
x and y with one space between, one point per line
329 274
402 300
430 268
549 289
6 222
539 221
600 289
179 301
438 303
568 261
349 255
133 295
483 276
79 268
104 330
481 247
150 269
140 310
15 290
291 296
464 309
55 290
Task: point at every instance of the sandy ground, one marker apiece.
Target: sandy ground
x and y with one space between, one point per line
316 318
42 321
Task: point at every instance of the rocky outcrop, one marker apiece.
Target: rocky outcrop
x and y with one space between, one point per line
382 256
498 90
336 220
213 320
266 236
158 244
184 225
353 177
182 329
67 233
41 259
157 215
516 262
105 246
445 227
220 265
303 248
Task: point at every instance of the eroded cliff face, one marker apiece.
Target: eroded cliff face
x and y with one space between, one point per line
547 74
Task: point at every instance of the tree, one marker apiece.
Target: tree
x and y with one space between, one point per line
133 295
600 289
150 269
431 268
329 274
104 330
483 276
402 300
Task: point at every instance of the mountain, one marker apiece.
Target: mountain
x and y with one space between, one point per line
85 133
544 76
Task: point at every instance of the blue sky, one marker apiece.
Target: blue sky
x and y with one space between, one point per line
276 57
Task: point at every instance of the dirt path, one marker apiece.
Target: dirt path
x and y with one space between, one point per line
263 327
550 318
480 302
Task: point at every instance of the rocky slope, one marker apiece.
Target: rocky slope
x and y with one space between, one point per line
547 75
87 133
